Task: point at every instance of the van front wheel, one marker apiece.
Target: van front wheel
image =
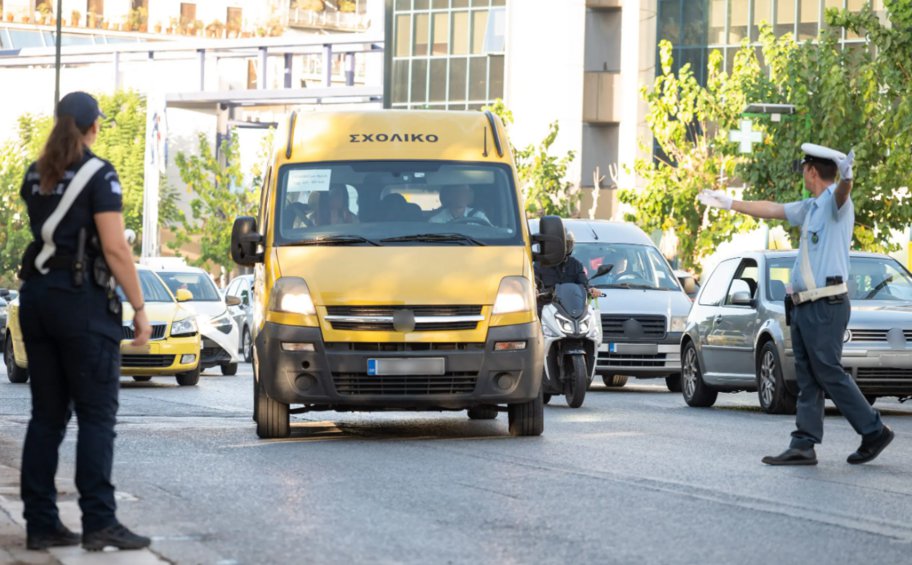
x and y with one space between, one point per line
271 416
528 418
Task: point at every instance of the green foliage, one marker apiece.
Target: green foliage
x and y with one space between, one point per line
690 124
542 175
218 198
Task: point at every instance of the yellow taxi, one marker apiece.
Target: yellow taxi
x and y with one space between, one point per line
173 350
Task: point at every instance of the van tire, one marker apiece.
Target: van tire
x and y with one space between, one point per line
614 381
271 416
696 392
528 418
673 382
14 372
190 378
483 413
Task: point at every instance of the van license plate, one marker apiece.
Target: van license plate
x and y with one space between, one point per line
399 366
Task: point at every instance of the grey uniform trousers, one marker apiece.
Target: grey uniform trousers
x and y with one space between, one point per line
818 329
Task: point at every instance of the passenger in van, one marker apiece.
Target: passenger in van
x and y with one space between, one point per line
455 200
334 208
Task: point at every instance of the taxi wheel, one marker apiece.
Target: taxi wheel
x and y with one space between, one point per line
483 413
14 372
528 418
189 379
614 381
142 379
271 417
229 369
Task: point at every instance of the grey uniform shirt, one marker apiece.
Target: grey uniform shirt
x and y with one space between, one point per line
828 236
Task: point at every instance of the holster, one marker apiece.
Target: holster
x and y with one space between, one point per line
789 306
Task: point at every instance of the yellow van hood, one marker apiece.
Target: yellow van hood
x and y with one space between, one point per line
391 276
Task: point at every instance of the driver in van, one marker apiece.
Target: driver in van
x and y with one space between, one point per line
334 207
619 261
455 200
570 270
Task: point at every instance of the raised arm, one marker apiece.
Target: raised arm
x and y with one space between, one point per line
844 188
763 209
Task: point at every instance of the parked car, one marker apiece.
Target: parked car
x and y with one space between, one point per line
242 288
220 334
736 338
173 350
644 307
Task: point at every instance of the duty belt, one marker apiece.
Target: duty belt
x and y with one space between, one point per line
818 293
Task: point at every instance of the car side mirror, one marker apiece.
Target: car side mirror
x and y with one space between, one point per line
552 241
183 295
232 301
245 242
742 299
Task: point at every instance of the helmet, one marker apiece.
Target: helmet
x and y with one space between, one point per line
570 241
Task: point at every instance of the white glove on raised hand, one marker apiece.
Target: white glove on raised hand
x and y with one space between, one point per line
845 165
715 199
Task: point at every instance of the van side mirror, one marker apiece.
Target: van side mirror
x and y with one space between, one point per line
552 241
245 242
183 295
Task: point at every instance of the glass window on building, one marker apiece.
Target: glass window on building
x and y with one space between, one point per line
419 81
479 28
460 41
737 22
422 34
441 34
403 35
459 79
717 13
400 82
808 19
763 14
785 18
187 13
438 81
478 79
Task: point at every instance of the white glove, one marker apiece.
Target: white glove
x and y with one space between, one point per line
715 199
845 165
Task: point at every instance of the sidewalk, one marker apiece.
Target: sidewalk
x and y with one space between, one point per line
12 530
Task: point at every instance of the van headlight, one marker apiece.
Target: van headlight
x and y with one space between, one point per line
291 295
678 323
184 328
514 295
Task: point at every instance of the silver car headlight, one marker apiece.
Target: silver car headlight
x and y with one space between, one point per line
184 328
678 323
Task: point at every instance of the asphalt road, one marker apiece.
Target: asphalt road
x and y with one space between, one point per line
634 476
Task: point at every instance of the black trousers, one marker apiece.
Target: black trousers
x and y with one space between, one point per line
817 335
73 349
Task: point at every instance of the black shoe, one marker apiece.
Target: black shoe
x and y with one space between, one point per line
871 448
793 456
61 538
114 536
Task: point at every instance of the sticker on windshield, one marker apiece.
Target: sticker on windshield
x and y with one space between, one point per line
310 180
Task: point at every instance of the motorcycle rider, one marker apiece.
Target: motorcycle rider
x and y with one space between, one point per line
570 270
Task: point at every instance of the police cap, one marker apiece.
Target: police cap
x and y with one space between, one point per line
814 153
80 106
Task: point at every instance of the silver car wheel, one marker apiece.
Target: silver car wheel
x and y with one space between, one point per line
767 378
689 373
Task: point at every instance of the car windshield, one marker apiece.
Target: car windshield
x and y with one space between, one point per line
200 285
397 203
152 288
634 266
870 278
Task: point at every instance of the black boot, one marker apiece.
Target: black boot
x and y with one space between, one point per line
60 538
793 456
871 448
114 536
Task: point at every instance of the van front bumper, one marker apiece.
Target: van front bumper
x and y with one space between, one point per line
335 376
641 359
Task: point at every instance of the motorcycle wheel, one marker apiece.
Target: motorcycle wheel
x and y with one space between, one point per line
577 381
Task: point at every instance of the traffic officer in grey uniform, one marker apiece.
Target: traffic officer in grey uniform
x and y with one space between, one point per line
72 327
818 304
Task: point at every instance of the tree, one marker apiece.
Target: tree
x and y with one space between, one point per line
218 198
690 123
542 176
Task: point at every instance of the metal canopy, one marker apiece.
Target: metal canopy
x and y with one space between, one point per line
205 101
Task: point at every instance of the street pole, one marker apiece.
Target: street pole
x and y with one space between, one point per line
58 43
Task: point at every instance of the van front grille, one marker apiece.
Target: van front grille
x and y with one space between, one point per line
355 384
380 318
632 327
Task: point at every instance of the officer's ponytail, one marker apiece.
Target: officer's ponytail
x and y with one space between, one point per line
64 148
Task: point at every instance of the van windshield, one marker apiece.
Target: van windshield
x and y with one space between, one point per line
634 266
397 203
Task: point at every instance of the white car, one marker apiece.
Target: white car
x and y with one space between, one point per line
221 338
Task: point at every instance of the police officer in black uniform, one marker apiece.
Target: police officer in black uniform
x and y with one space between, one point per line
71 323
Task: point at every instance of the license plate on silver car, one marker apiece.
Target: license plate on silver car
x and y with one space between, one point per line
406 366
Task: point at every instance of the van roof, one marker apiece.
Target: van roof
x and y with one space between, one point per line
391 135
591 231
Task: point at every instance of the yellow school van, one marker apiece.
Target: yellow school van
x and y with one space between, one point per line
393 270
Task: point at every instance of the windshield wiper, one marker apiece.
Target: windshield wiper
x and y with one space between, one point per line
434 238
336 240
879 287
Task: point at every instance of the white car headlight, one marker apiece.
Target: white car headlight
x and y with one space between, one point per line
290 294
678 323
184 328
514 295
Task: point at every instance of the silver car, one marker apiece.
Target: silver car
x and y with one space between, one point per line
242 288
736 338
644 307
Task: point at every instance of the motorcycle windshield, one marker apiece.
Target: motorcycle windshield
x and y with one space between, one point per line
570 300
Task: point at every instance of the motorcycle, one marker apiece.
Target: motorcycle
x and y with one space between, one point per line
572 327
